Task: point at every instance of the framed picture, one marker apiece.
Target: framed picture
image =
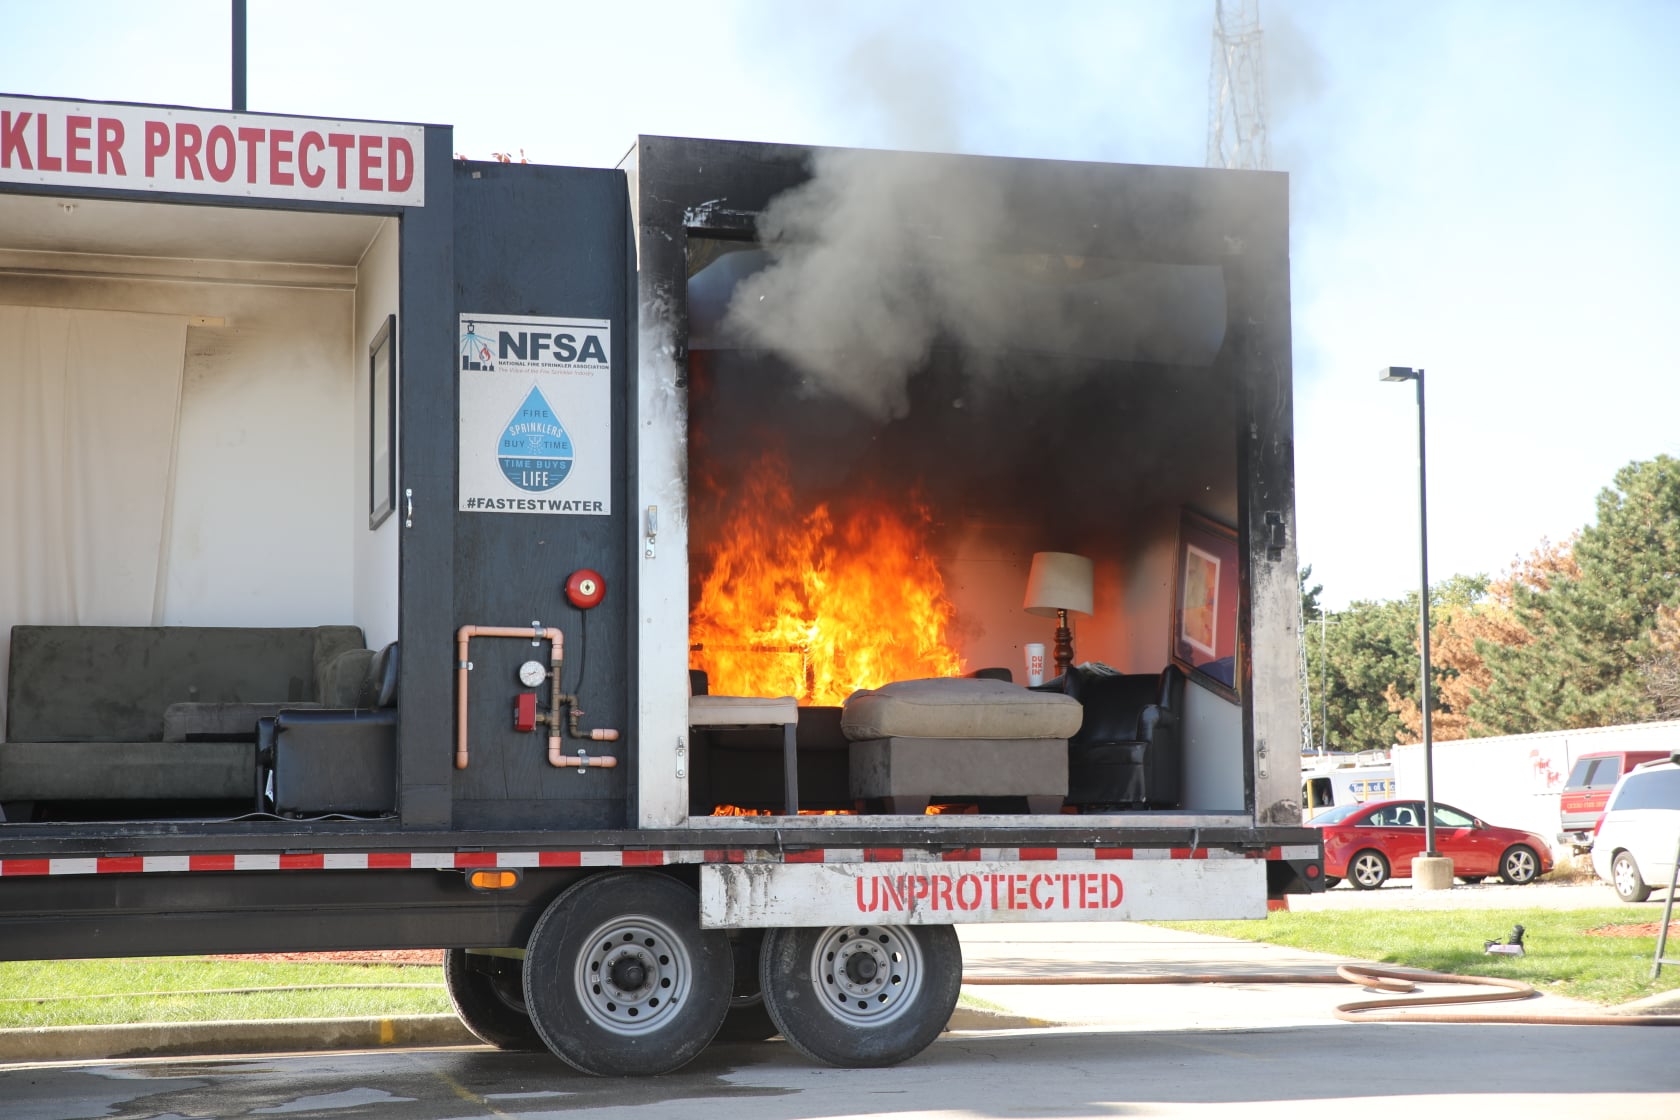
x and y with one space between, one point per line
1204 619
382 422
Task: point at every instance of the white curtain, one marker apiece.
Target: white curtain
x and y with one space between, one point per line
89 416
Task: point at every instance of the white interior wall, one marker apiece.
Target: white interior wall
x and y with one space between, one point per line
374 552
265 475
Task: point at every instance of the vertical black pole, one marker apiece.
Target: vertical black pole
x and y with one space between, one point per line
239 56
1423 622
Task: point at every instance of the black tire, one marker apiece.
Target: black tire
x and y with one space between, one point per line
1367 870
861 996
1473 879
1625 877
1330 881
748 1019
488 993
1519 865
620 979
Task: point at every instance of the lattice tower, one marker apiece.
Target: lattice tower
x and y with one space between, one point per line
1237 89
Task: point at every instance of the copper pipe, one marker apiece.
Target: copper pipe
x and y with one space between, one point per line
605 761
556 654
463 637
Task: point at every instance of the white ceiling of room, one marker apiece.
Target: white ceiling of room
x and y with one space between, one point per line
183 232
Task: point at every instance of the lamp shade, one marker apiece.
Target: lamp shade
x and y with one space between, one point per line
1059 581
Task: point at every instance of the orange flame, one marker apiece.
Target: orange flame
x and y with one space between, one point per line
814 605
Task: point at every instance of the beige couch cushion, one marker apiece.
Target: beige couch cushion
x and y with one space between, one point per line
958 708
741 711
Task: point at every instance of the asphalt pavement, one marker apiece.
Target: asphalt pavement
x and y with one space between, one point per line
1020 977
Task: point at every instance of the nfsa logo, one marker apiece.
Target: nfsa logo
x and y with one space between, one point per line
488 345
560 347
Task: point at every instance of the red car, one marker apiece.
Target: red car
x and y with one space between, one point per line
1371 843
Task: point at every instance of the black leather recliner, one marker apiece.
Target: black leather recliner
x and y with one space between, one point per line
319 761
1128 752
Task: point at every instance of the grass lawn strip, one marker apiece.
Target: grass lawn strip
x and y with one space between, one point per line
196 989
1564 954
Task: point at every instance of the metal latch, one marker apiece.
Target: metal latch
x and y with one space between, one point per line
1275 535
651 528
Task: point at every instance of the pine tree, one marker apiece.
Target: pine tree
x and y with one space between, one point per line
1590 632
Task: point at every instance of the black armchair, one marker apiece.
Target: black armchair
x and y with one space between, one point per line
1128 752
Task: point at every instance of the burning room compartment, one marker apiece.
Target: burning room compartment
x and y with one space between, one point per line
907 375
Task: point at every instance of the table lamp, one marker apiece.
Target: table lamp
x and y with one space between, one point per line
1058 583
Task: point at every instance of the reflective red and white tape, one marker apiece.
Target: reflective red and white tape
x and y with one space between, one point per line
461 861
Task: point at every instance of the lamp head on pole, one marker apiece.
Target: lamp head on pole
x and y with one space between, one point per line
1400 373
1058 583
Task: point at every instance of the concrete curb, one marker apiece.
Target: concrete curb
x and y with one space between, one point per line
1663 1003
250 1036
149 1040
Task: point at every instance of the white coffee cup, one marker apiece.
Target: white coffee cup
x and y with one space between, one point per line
1035 662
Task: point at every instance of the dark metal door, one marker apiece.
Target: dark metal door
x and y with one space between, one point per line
531 432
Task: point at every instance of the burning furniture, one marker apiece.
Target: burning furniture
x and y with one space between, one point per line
962 738
898 377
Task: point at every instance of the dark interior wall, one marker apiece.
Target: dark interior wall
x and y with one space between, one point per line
1080 457
545 241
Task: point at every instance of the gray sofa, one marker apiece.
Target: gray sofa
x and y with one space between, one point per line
161 713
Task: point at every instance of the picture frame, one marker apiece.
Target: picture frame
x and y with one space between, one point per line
1203 641
382 423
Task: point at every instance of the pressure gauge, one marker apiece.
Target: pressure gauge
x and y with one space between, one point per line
531 673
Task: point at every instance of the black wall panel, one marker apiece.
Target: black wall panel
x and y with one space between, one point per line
545 241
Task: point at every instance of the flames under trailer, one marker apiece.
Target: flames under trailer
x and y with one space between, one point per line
616 576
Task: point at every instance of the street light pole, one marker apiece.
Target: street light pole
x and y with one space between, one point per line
1406 373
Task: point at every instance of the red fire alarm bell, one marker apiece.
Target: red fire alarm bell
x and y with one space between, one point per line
585 588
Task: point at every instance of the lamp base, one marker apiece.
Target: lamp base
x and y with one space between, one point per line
1064 644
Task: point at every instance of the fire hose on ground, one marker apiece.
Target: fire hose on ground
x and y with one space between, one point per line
1370 977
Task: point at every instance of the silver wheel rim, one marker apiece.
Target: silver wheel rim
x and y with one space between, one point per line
867 975
1367 870
1623 872
1520 866
634 975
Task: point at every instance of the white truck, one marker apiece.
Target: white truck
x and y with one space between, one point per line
710 502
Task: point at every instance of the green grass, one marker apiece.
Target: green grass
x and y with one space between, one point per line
176 989
1562 957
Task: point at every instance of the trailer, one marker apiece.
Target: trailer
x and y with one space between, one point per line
636 581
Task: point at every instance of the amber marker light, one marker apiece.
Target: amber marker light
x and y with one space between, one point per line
493 878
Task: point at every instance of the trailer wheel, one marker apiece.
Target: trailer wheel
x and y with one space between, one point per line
621 980
861 995
488 993
747 1020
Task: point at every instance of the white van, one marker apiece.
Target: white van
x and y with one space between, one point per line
1639 834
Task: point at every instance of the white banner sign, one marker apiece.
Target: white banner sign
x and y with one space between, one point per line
812 894
536 415
195 151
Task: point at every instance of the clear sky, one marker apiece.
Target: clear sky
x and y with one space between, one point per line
1483 189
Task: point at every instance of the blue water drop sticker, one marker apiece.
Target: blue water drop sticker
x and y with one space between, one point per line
535 450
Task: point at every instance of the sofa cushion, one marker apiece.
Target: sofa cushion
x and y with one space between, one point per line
741 711
191 723
113 683
343 680
958 708
127 771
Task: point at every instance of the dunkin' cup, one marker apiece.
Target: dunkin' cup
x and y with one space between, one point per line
1035 663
